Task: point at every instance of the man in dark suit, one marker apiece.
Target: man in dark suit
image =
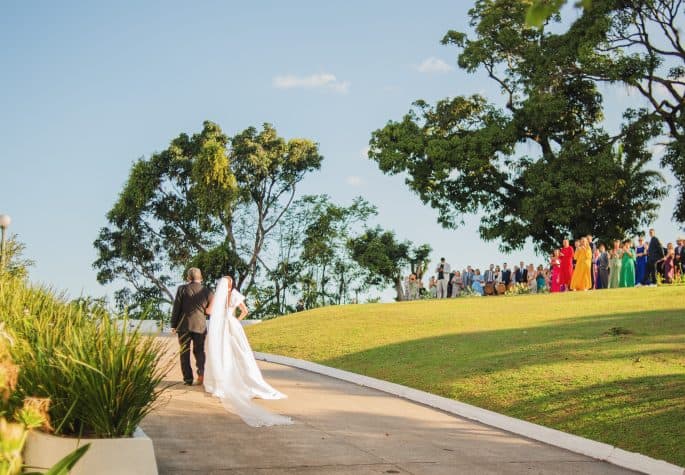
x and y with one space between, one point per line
522 274
189 322
655 253
506 274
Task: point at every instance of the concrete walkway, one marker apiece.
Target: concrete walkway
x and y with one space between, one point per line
341 428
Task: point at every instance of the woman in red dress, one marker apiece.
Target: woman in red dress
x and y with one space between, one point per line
566 271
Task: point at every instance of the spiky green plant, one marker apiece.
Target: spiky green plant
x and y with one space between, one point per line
102 378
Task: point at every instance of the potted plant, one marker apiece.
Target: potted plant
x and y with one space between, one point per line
102 379
30 415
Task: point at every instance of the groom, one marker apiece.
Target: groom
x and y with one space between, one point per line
189 322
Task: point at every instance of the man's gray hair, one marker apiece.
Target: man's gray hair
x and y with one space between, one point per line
194 274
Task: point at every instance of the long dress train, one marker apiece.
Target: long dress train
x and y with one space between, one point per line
231 372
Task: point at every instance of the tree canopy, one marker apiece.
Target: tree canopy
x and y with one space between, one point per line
229 204
541 167
207 199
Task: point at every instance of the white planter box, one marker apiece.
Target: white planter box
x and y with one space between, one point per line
124 456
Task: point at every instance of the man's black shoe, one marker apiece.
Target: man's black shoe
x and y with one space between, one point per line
188 382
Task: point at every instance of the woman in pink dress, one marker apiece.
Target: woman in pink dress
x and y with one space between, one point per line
566 271
555 264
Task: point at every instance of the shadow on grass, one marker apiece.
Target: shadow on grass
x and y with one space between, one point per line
642 414
571 374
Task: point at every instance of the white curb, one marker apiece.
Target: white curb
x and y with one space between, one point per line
574 443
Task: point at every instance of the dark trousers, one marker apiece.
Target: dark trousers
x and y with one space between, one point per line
198 342
650 275
603 278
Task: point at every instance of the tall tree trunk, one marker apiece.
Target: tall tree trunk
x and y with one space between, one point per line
399 289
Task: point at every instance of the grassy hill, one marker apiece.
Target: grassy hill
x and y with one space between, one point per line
608 365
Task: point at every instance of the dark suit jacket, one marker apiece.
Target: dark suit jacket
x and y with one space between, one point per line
188 313
655 251
506 276
521 276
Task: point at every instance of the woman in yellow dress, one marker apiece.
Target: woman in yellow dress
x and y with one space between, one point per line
581 279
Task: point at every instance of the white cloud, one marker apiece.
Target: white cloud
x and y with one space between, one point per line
365 152
354 180
434 65
315 81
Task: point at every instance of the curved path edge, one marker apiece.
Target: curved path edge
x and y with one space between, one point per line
557 438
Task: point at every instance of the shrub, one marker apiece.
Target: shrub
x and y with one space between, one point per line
30 415
102 379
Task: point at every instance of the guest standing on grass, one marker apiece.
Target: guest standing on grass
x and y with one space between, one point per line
627 278
555 265
614 267
581 279
678 260
467 277
457 284
520 276
433 287
566 257
477 282
541 279
655 254
595 268
640 261
489 277
443 272
669 264
506 275
532 279
603 268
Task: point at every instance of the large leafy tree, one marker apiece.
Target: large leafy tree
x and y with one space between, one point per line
539 168
639 44
307 255
209 200
325 256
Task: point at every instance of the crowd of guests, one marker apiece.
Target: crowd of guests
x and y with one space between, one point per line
584 266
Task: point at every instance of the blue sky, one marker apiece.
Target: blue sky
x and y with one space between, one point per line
88 87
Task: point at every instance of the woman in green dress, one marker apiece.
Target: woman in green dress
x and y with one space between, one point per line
627 265
615 265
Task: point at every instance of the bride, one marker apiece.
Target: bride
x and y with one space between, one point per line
231 372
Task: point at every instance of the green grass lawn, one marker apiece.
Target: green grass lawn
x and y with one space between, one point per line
549 359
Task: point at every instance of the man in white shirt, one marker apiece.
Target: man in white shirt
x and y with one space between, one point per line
489 275
443 271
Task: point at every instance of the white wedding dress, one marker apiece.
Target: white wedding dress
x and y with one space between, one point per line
231 372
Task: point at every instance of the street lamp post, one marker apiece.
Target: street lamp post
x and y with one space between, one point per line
5 221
